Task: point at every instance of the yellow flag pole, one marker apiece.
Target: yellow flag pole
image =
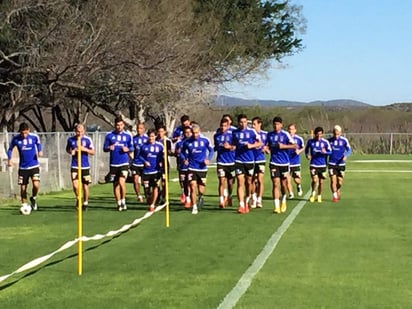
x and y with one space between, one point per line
166 175
79 208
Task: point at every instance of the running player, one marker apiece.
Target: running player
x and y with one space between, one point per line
260 163
294 158
137 164
183 169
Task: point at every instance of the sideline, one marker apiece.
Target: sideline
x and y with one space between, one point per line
244 282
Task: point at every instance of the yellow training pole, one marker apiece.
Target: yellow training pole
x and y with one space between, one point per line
166 188
79 208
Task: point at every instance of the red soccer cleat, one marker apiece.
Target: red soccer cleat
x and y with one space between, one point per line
182 198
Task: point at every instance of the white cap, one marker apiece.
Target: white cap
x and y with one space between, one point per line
337 128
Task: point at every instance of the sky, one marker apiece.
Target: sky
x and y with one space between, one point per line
353 49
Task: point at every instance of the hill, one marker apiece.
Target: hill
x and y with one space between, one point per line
228 101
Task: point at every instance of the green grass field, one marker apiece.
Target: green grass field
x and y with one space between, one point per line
353 254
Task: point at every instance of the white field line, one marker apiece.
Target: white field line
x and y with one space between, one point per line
380 161
378 171
244 282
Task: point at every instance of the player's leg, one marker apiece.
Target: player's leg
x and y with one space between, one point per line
314 184
193 195
260 189
240 190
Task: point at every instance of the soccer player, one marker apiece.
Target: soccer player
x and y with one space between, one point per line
260 162
279 142
161 137
30 149
341 150
120 144
178 131
183 169
294 158
152 155
225 162
197 153
317 150
137 164
244 140
86 149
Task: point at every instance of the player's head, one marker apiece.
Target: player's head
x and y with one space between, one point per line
185 120
242 121
257 123
161 131
151 134
277 123
140 128
224 124
187 132
119 124
24 129
195 130
79 129
318 132
292 129
228 117
337 130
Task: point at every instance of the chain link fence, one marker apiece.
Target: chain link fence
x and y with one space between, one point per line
55 163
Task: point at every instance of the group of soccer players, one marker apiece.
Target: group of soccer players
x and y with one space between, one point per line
240 157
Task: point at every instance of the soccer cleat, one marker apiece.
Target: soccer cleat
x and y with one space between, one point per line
140 199
335 200
222 205
241 210
182 198
291 195
283 207
247 209
312 199
151 208
229 201
276 210
259 205
33 203
124 206
201 202
300 192
319 199
84 207
195 211
253 204
187 205
119 208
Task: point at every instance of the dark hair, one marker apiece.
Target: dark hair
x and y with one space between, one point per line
317 130
277 119
241 116
186 128
23 127
184 118
258 119
118 119
227 116
150 131
224 120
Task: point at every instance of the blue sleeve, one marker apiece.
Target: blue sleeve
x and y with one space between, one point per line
106 144
348 151
38 145
211 151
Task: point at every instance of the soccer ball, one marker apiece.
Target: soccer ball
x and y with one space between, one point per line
25 210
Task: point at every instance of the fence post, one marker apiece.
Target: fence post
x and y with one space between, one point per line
391 144
59 167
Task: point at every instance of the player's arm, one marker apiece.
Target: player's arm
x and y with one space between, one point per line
107 146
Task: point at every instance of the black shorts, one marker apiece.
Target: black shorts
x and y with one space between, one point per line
227 171
183 175
244 169
260 168
279 171
337 170
118 171
25 175
318 171
151 180
136 170
295 172
199 177
86 178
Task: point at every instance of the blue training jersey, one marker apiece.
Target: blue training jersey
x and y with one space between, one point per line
240 139
154 154
119 139
319 149
87 143
340 148
294 158
259 153
196 151
279 156
224 156
181 166
28 148
138 141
